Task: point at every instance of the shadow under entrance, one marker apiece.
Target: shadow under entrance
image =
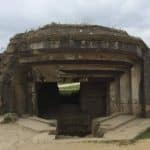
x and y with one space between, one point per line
48 99
74 111
52 102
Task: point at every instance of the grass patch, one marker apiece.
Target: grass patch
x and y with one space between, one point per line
9 117
144 135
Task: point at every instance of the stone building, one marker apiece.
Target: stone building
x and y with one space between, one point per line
111 66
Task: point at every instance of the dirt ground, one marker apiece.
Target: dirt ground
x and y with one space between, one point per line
14 137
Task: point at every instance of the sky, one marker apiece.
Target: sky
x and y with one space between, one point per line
17 16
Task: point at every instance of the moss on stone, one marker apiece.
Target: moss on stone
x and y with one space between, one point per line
58 32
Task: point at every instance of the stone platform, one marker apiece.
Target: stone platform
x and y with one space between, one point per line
117 127
116 122
37 124
123 128
125 133
129 131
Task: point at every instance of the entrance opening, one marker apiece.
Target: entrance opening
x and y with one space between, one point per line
53 99
72 120
74 105
69 97
48 99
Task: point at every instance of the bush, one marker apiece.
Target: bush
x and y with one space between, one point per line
9 117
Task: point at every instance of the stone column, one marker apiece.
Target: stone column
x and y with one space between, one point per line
34 100
136 89
29 106
20 98
7 97
125 93
146 97
114 92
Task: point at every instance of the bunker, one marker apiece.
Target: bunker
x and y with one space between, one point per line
110 66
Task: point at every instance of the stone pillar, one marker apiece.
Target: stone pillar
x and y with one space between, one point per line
136 89
125 93
20 98
29 104
1 98
34 99
114 93
146 71
7 97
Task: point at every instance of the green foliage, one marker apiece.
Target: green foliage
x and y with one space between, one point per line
9 117
144 135
69 90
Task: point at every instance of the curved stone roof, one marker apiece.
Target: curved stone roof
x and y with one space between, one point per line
73 36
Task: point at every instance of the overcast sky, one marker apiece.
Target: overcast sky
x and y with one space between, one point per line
21 15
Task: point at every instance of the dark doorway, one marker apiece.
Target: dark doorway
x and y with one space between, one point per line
72 106
94 98
48 99
69 98
72 121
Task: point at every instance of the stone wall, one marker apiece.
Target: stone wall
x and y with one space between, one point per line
93 98
47 50
147 84
125 93
114 95
137 88
76 36
113 45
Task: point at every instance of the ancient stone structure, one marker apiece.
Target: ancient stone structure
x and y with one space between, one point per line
111 66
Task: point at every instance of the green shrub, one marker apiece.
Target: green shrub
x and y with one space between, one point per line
9 117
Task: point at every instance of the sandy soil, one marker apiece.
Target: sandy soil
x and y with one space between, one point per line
14 137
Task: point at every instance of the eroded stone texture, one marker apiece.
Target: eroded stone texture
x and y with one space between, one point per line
147 83
93 98
111 66
114 93
125 93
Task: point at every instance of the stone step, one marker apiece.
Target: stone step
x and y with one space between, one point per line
51 122
129 131
102 119
116 122
43 138
36 125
